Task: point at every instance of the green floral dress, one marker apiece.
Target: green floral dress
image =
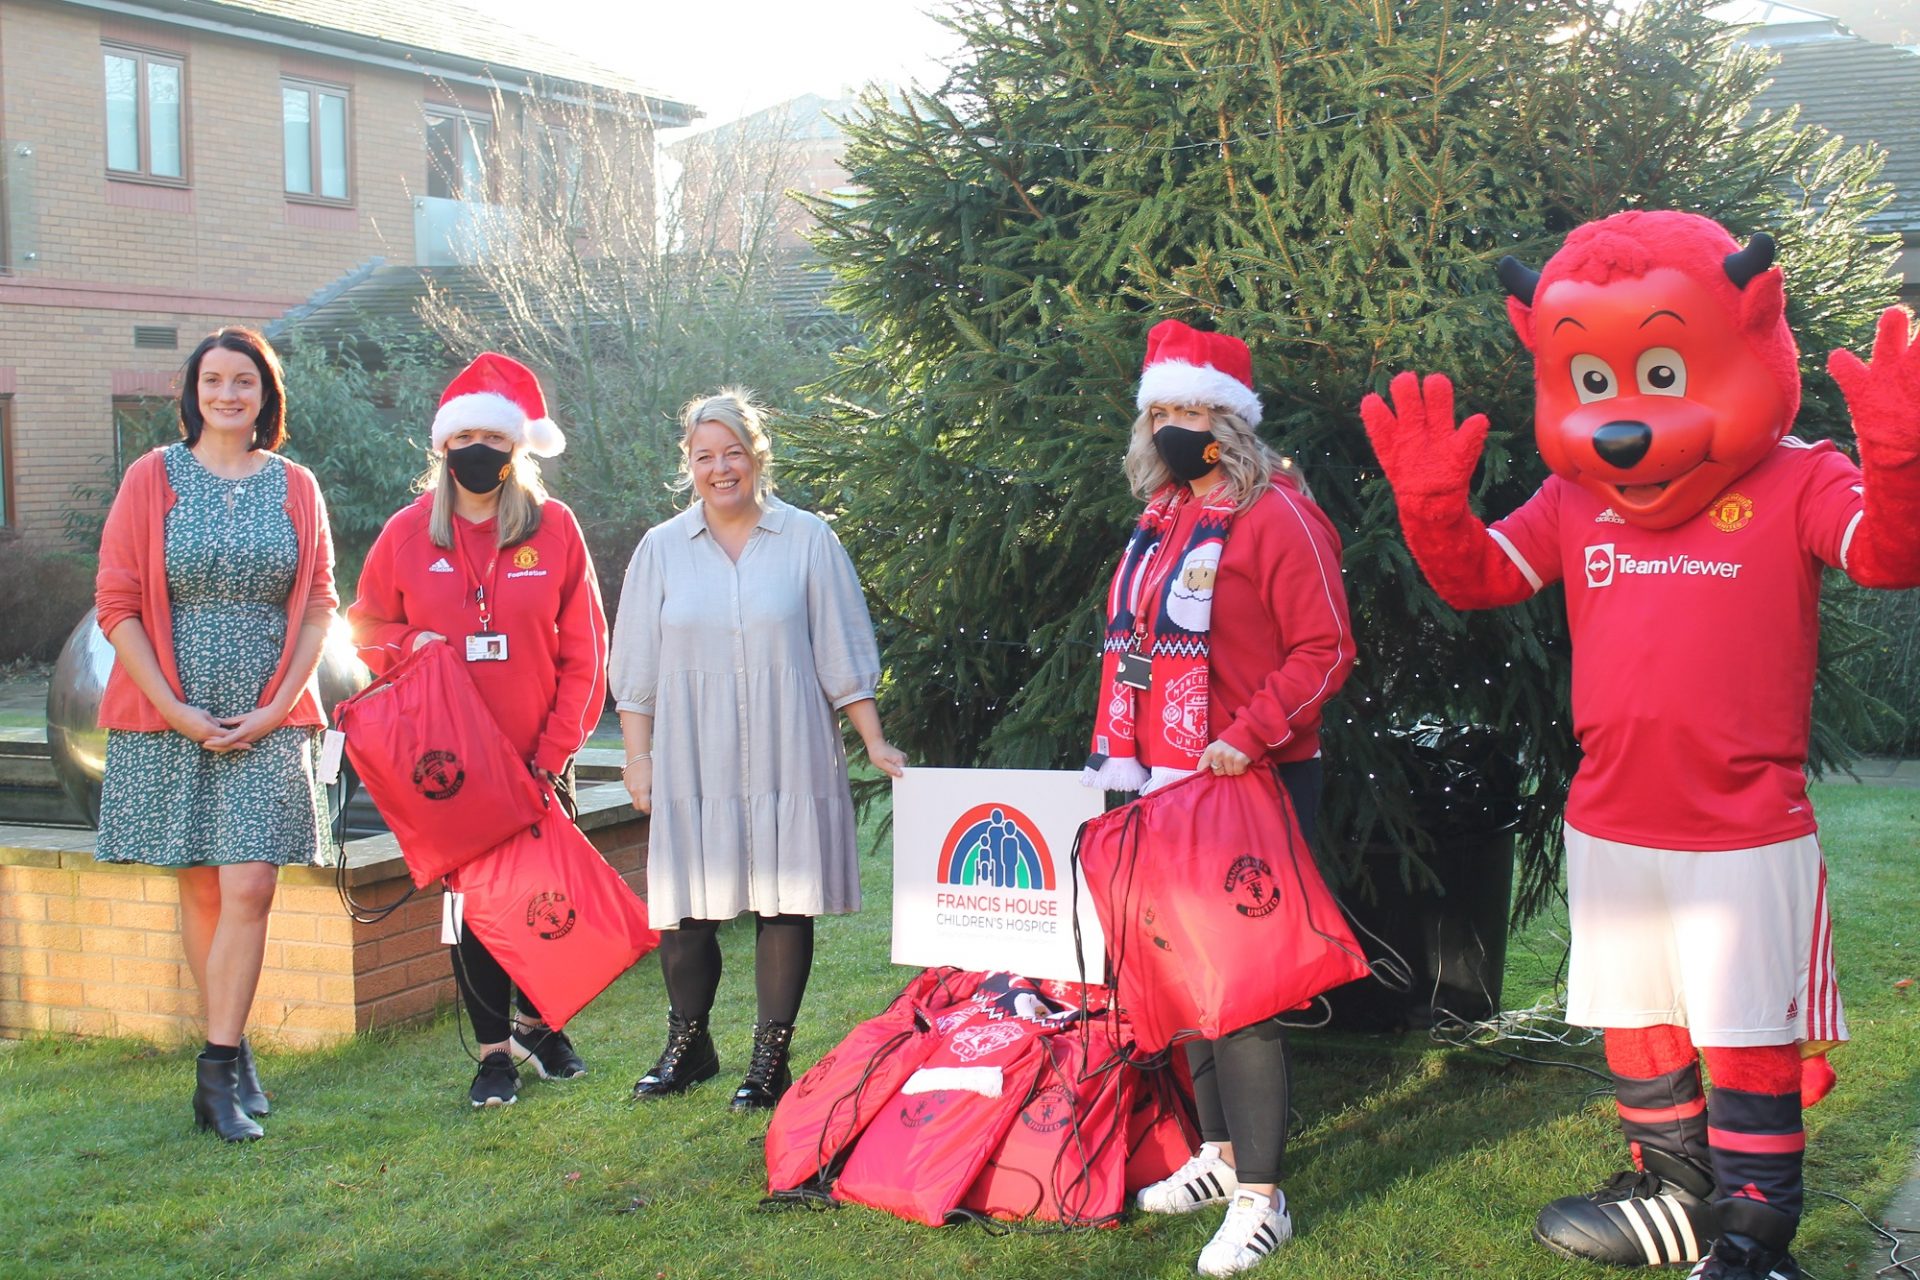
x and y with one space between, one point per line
165 801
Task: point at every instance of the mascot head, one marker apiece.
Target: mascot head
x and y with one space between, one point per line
1663 366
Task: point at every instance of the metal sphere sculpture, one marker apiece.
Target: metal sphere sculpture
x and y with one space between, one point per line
79 744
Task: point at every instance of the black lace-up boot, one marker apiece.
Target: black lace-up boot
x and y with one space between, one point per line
688 1059
767 1075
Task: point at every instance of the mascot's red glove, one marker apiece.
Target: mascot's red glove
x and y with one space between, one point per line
1884 397
1430 465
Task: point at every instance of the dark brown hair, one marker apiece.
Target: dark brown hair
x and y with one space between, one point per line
270 428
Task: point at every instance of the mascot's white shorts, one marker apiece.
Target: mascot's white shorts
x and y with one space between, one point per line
1735 945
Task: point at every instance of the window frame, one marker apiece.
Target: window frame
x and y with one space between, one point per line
488 154
143 123
9 512
125 408
313 89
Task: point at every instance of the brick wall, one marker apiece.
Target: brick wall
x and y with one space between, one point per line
229 247
91 949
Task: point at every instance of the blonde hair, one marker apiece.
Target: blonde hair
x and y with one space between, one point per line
521 494
1250 463
736 409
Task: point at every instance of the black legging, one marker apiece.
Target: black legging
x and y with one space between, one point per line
1240 1081
782 962
485 989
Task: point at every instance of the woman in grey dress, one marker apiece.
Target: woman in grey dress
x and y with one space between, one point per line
216 590
741 632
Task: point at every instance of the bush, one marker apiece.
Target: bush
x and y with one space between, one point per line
43 593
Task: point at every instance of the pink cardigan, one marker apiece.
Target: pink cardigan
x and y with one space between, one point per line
132 583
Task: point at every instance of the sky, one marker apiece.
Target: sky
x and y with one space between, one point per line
733 57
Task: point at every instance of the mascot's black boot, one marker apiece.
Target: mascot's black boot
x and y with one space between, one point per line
1661 1216
216 1102
253 1098
688 1059
1752 1245
767 1075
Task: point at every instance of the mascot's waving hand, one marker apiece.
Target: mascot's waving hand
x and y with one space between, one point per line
1689 530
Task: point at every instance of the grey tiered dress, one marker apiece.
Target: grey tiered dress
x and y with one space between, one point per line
166 801
743 667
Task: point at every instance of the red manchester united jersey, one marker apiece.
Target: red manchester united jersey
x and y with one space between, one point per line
1694 649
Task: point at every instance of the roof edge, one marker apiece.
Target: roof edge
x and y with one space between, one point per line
243 24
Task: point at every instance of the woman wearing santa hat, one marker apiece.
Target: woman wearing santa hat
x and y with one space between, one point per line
1226 633
485 561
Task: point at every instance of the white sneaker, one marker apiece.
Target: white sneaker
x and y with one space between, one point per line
1203 1180
1254 1228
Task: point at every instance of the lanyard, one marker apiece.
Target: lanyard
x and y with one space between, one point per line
482 591
1153 574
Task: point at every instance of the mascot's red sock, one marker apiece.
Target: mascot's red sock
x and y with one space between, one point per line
1656 1074
1757 1141
1430 466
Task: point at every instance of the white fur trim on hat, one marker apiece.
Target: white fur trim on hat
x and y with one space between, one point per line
1177 382
491 411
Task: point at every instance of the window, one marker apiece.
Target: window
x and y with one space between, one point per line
313 122
457 148
140 424
146 115
6 462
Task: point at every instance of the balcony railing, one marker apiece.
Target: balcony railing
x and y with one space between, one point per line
459 233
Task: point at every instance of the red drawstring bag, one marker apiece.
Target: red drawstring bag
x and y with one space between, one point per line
441 773
818 1119
560 921
1161 1132
934 990
1064 1158
1215 914
919 1155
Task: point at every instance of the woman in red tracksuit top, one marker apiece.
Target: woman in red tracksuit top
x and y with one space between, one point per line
485 561
1226 634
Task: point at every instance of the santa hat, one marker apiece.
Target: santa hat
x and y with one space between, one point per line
498 393
1186 366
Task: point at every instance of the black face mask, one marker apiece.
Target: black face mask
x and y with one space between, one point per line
480 468
1188 454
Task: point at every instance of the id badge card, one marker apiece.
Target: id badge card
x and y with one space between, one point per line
1135 671
487 646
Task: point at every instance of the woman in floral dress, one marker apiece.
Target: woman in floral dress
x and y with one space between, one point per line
216 591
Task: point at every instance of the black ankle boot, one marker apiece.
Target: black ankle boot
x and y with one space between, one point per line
253 1098
688 1059
216 1101
767 1075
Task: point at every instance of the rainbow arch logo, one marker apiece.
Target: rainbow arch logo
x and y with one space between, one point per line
996 844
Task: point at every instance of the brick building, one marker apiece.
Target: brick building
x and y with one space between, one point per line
168 166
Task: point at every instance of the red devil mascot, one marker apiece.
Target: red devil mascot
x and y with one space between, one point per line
1689 530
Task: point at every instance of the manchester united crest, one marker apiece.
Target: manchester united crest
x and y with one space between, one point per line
1731 512
525 558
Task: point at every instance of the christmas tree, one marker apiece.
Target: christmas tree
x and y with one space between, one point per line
1333 182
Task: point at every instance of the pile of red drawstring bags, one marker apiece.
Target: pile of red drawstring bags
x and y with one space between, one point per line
984 1094
464 806
1216 916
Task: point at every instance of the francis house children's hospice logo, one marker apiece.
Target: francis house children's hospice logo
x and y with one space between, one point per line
994 869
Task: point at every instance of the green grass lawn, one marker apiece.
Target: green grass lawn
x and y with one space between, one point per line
1409 1160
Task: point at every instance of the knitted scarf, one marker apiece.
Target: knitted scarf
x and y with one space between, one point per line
1163 608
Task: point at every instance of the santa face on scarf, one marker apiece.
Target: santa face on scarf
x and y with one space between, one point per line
1190 596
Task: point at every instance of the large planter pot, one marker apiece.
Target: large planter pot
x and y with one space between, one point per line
1452 935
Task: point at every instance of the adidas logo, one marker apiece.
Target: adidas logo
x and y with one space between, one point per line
1609 516
440 566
